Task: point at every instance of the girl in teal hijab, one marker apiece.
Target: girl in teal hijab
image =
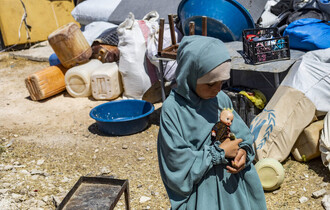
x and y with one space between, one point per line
196 172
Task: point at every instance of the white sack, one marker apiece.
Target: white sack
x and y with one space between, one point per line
95 29
94 10
133 36
311 75
152 50
325 142
278 126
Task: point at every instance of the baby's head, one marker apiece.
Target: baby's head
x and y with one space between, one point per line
227 116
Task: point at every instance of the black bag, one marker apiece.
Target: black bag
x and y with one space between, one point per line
243 106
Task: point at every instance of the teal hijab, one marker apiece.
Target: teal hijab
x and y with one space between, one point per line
196 56
193 169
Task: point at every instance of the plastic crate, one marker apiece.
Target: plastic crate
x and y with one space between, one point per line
263 45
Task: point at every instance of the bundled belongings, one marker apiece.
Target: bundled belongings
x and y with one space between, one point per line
278 126
90 11
46 82
133 37
105 46
308 34
282 13
304 90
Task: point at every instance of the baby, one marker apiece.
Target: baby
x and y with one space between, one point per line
221 130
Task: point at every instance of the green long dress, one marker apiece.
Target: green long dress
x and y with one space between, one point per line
192 168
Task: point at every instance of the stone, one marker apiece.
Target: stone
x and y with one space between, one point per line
3 191
24 172
303 199
324 184
144 199
105 170
326 202
292 192
65 179
8 167
319 193
141 158
40 162
124 146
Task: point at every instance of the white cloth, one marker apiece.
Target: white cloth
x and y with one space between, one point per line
311 75
325 142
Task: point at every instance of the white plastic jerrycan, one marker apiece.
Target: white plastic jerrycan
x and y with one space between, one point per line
77 79
106 82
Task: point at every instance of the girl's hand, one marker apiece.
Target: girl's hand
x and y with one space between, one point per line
230 147
238 163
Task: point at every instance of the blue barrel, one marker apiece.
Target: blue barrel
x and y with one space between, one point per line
226 19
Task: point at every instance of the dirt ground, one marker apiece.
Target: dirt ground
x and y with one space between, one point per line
46 146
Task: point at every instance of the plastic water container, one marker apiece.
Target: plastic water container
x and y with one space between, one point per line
271 173
70 45
46 82
106 82
77 79
307 144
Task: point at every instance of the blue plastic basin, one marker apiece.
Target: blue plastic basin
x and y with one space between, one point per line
226 19
123 117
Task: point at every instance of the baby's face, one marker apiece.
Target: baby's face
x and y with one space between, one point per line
226 117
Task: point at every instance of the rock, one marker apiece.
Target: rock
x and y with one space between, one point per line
17 197
65 179
324 184
25 172
303 199
105 170
326 202
124 146
319 193
292 192
8 167
141 158
3 191
6 185
276 191
38 172
40 162
144 199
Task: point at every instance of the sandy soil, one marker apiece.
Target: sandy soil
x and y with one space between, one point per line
57 138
